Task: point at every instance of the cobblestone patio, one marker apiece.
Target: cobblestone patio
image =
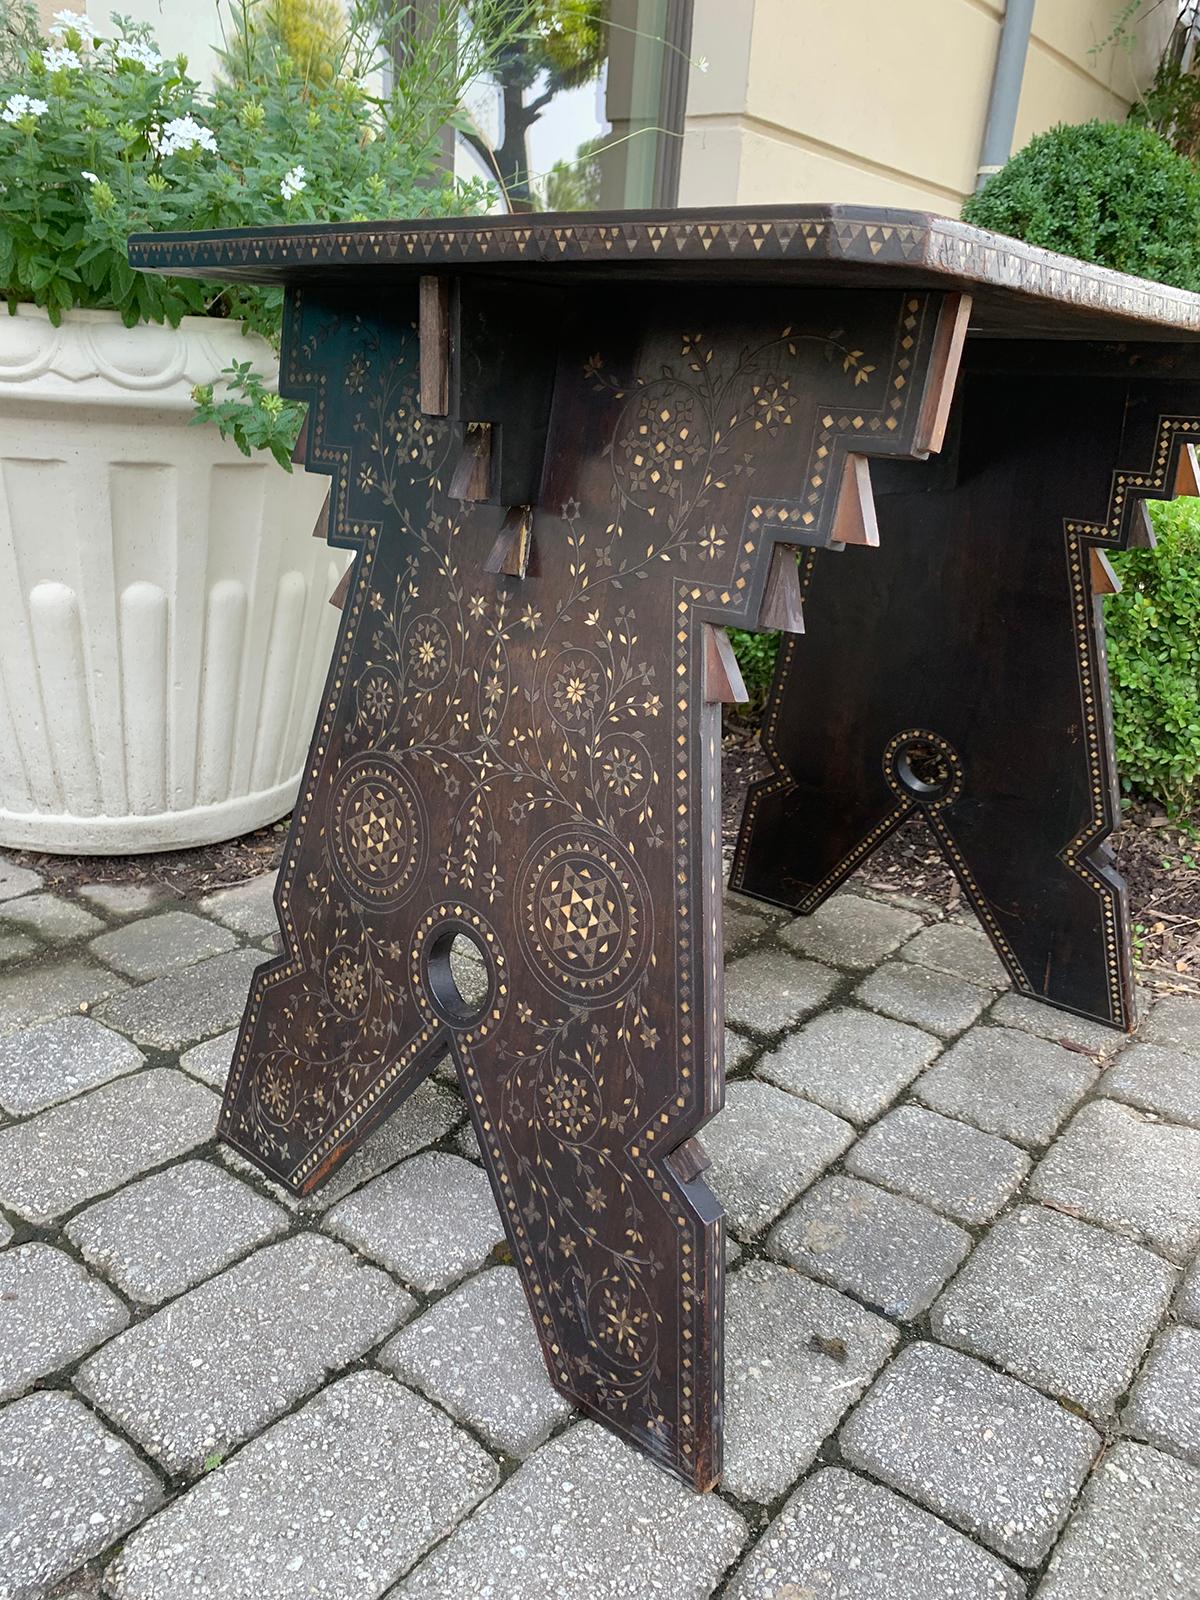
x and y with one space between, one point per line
963 1339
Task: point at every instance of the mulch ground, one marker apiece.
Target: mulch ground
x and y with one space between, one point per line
1159 859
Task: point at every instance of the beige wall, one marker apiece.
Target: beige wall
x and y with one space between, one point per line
882 101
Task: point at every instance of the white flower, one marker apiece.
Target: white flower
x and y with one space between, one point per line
138 50
90 177
702 64
64 21
58 58
20 105
185 133
292 182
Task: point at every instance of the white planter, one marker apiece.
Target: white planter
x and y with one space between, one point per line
164 626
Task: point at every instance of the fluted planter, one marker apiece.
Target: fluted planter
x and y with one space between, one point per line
164 631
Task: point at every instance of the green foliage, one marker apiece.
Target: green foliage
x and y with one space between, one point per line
247 412
1153 629
312 33
1114 194
20 32
100 137
756 653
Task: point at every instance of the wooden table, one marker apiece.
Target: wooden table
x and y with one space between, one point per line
568 451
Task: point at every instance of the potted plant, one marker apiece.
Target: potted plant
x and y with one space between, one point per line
162 599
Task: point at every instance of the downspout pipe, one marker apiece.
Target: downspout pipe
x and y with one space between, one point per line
1007 76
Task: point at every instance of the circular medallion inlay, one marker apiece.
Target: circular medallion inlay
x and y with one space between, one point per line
377 831
584 920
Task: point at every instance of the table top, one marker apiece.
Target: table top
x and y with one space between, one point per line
1019 291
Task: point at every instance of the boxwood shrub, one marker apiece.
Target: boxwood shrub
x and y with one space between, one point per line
1112 193
1153 629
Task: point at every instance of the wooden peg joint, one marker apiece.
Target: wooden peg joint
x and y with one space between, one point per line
1187 473
854 520
689 1161
781 604
1104 579
723 684
949 337
472 475
433 323
511 551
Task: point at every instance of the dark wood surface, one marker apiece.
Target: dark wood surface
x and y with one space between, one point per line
534 764
639 410
975 630
1017 288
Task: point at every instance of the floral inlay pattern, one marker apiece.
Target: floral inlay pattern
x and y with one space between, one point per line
523 761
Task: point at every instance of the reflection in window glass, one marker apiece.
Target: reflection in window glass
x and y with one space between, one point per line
586 111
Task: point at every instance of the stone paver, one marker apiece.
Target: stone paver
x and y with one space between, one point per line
1014 1010
338 1493
770 989
125 899
53 1061
211 1061
152 946
880 1247
1155 1078
186 1006
932 1000
797 1356
85 1147
1142 1178
477 1355
1164 1408
15 946
982 1450
849 931
851 1062
51 1313
216 1365
1187 1305
16 880
68 1489
248 908
1059 1303
958 1170
161 1235
429 1220
740 927
737 1050
1173 1020
1006 1082
586 1518
48 917
34 994
339 1499
766 1147
1136 1535
841 1538
962 950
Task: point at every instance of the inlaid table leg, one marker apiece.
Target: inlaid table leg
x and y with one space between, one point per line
519 747
968 657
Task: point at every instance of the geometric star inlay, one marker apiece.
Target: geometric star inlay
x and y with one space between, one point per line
577 910
375 832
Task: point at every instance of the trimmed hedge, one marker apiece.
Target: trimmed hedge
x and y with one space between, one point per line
1112 193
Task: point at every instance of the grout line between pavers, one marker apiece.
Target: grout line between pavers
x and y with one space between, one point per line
758 1518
